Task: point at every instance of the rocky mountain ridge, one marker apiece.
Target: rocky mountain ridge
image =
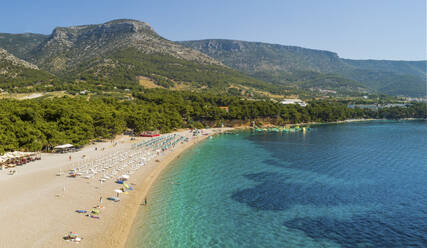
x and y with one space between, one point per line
66 47
290 65
115 54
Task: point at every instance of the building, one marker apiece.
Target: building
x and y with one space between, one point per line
64 148
294 101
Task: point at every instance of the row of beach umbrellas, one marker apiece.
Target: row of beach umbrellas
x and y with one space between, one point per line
114 164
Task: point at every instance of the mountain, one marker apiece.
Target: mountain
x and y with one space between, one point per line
15 72
125 54
120 52
13 61
290 65
257 56
67 47
21 44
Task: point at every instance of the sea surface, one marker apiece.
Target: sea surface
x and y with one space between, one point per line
347 185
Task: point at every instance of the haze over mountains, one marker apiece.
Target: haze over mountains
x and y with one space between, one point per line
119 52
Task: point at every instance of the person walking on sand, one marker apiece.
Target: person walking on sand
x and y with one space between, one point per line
145 201
100 199
69 157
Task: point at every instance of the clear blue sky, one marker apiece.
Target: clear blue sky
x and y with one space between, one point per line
360 29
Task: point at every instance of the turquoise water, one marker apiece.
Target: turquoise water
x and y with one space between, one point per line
348 185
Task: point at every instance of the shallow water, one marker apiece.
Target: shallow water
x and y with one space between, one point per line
347 185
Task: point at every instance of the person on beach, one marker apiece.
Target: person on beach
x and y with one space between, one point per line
69 157
100 199
145 201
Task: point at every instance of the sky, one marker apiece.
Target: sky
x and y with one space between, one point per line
357 29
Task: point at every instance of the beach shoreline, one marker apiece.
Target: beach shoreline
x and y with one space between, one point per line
38 208
120 239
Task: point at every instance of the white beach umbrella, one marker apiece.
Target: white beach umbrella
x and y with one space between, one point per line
118 191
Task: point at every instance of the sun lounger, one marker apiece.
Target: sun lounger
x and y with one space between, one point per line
115 199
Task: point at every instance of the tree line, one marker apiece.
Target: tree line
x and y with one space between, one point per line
36 124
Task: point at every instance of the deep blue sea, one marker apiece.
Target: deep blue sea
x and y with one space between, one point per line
348 185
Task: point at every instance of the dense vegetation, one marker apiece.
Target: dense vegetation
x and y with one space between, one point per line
38 123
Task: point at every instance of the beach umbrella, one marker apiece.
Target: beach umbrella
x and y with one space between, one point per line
124 177
118 191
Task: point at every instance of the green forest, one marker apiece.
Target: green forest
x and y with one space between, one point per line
35 124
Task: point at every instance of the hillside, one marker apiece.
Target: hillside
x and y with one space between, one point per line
21 44
118 53
114 54
15 72
290 65
67 47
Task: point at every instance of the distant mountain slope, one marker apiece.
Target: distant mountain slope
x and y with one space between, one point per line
10 59
16 72
288 65
412 68
255 56
21 44
116 53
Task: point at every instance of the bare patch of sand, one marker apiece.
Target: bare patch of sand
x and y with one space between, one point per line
147 82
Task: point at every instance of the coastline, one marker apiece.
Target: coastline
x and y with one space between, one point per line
125 237
208 196
37 208
120 238
267 125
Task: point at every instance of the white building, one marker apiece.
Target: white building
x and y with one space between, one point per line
294 101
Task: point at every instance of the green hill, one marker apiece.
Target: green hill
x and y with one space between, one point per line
21 45
290 65
15 72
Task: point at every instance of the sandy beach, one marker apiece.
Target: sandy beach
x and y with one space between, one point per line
37 207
